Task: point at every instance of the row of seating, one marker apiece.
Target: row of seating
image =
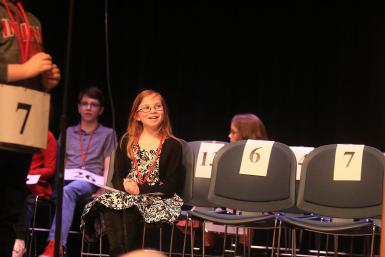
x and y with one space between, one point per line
267 180
339 181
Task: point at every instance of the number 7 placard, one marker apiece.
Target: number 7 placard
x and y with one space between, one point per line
348 162
24 118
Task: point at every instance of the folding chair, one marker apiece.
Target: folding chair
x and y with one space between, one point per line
341 182
187 195
251 176
203 153
38 203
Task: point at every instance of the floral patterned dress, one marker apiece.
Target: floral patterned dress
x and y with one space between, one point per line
153 207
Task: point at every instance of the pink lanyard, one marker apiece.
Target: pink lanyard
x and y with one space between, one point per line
16 28
142 182
84 154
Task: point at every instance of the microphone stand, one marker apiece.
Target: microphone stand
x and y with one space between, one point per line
63 132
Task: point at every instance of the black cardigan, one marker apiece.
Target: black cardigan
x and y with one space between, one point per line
171 169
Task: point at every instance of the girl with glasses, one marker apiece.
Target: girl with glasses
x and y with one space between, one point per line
148 174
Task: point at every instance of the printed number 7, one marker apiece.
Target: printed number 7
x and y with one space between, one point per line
26 107
351 157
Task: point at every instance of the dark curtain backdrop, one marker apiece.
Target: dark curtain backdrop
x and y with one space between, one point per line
312 71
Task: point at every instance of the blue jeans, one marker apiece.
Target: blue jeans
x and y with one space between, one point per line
73 192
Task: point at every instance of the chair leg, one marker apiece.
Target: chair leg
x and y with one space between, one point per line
185 237
100 243
318 241
335 245
160 237
144 234
273 241
300 238
224 242
293 242
32 230
278 239
372 243
250 231
203 238
171 240
82 245
192 235
236 241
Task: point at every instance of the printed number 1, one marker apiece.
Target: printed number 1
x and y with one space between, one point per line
351 157
26 107
205 157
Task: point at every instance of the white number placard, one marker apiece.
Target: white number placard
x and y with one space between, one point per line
348 162
205 158
300 153
24 117
32 179
256 156
80 174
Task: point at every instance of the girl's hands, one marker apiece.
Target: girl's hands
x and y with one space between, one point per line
130 186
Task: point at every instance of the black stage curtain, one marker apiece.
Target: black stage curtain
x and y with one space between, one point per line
313 71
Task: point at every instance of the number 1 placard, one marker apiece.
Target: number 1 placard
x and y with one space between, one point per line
24 118
205 158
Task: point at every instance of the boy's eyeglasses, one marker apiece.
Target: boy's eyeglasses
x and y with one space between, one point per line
147 108
92 105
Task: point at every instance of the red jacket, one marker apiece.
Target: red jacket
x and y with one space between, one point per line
44 164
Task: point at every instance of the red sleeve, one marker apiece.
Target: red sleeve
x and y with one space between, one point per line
47 171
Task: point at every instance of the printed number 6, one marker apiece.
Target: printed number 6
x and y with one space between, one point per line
254 152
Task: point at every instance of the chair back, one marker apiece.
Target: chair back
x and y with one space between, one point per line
254 175
111 169
188 163
343 181
300 153
203 155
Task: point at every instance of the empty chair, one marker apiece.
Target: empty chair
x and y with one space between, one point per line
341 182
253 176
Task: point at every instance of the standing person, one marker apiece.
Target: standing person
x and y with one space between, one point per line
22 63
88 147
43 164
148 172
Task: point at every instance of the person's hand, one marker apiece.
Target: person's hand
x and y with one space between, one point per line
51 77
98 193
18 248
37 64
130 186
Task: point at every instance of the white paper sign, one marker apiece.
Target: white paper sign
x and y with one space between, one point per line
256 156
80 174
24 117
205 158
32 179
300 153
348 162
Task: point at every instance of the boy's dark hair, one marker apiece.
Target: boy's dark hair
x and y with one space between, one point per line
92 92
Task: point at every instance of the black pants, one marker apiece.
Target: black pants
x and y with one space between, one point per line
124 229
13 169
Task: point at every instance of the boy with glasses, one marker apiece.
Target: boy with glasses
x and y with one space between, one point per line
88 148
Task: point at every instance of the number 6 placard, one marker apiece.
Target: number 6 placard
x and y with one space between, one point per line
256 157
24 118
